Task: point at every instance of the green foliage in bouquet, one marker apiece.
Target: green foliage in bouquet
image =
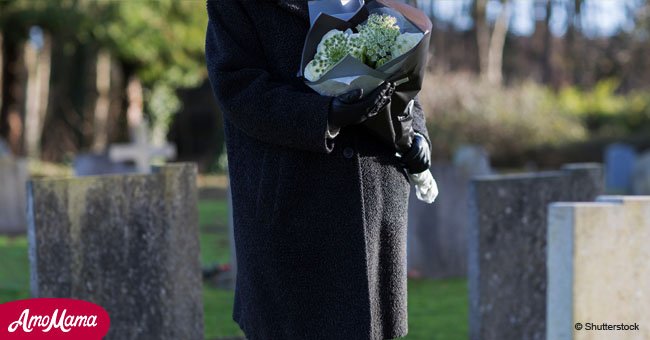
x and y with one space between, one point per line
379 34
334 46
356 46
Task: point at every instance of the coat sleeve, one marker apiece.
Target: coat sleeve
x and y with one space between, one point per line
419 122
264 108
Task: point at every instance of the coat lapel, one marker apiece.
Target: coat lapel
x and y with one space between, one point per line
295 7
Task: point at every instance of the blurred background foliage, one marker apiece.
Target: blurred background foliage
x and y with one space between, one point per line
514 119
527 79
156 44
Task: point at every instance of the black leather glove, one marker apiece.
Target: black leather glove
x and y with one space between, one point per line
350 108
418 158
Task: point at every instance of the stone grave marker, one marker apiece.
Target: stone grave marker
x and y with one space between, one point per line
91 164
126 242
507 247
472 160
5 151
141 152
598 269
619 168
13 178
437 233
641 176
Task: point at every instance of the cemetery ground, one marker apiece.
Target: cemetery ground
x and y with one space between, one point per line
438 309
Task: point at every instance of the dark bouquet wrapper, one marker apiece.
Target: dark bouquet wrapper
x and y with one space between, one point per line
393 125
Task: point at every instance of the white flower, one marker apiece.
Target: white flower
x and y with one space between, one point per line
327 36
356 46
333 47
378 33
404 43
312 72
316 68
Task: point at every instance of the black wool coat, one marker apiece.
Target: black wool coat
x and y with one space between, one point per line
320 223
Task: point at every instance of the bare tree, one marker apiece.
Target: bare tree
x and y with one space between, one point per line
13 94
497 42
38 61
102 104
1 66
491 42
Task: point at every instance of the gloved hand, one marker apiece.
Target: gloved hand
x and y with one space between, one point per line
350 108
418 158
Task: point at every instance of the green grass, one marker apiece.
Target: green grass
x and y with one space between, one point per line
213 222
14 269
437 308
217 303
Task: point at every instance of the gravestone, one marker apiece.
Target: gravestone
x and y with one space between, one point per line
141 152
472 160
619 167
90 164
13 176
598 269
507 247
437 233
641 176
126 242
5 151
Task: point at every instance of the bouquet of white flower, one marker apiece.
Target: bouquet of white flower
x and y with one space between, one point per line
379 40
353 45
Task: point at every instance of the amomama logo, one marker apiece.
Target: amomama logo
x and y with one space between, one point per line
53 318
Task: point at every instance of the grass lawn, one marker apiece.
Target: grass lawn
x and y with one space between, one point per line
437 308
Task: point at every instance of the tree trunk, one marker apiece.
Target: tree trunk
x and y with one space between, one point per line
102 104
38 85
482 35
13 95
134 112
66 126
497 42
547 63
575 42
2 48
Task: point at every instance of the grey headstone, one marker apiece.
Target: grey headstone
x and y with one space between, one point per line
598 268
619 168
641 176
126 242
437 233
507 247
472 160
5 151
89 164
13 177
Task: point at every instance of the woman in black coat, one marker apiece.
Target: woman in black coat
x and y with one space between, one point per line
319 204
